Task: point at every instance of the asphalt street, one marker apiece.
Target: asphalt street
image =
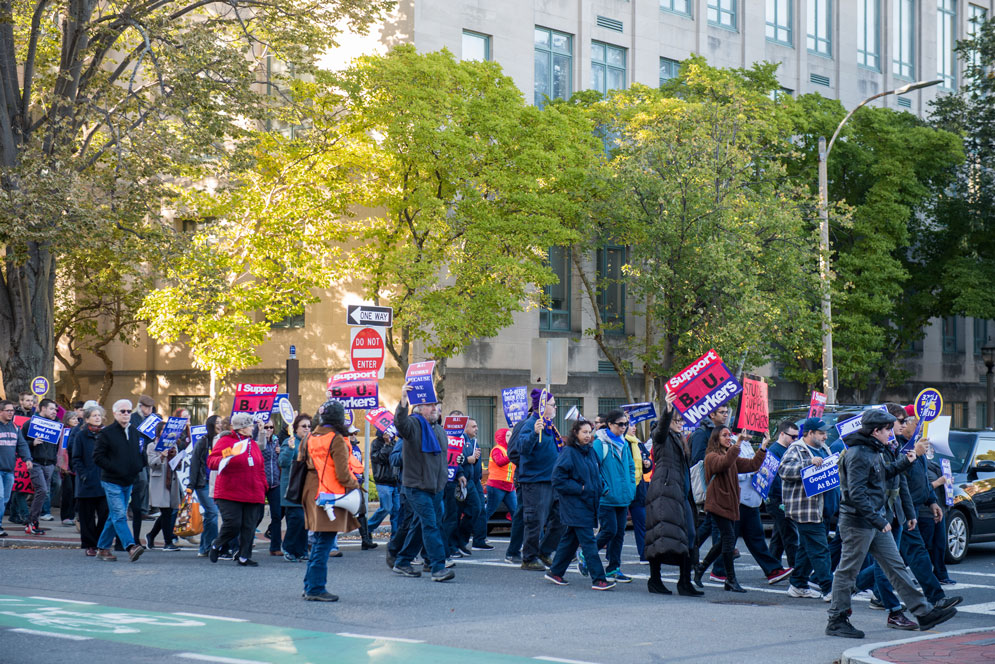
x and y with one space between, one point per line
175 607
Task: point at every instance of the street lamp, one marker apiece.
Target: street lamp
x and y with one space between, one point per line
828 380
988 355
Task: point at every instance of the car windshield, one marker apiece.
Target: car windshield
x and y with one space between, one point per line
961 444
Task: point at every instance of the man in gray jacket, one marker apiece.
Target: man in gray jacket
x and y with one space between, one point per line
865 526
12 447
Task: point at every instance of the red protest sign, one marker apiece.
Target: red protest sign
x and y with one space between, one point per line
19 420
22 477
753 412
357 390
454 426
817 405
382 420
256 400
702 387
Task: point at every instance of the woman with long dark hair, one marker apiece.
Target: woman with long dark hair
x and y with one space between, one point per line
295 540
199 483
722 468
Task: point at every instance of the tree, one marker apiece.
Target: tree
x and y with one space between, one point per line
720 255
104 102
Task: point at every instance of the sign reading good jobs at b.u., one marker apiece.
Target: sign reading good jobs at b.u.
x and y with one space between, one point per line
702 386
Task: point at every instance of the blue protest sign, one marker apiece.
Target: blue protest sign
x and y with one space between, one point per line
419 376
702 387
916 435
148 425
175 426
276 402
640 412
515 401
47 431
845 427
948 481
819 479
765 475
197 432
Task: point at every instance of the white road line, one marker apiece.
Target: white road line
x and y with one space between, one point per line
56 599
202 615
215 658
38 632
350 635
958 572
987 609
560 659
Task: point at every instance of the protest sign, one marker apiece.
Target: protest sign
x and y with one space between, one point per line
241 447
39 386
454 426
175 426
765 475
939 435
19 420
846 427
285 408
382 420
419 376
753 413
47 431
148 426
929 404
355 390
256 400
640 412
516 404
817 404
702 386
816 480
22 478
196 433
948 481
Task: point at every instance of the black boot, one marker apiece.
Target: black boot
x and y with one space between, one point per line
684 586
699 572
732 585
656 586
364 534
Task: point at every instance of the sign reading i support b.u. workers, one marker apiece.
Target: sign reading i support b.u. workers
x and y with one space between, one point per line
703 386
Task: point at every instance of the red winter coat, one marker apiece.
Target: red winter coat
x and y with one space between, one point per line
244 477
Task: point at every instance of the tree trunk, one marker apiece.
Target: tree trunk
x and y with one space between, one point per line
440 386
27 305
213 406
108 379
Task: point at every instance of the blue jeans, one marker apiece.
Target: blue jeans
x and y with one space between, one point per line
295 539
573 537
6 487
495 497
751 530
316 574
812 556
472 523
637 510
427 510
390 504
915 555
275 517
399 530
612 533
935 538
517 527
117 521
210 519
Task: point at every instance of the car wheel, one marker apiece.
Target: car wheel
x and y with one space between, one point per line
958 535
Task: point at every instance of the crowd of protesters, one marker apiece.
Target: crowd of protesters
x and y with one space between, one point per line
569 499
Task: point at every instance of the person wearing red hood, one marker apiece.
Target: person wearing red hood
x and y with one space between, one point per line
500 476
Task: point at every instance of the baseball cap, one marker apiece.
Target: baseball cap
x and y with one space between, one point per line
815 424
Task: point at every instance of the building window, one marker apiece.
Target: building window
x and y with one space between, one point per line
553 65
563 406
946 40
820 27
608 404
292 322
682 7
983 331
481 409
556 316
607 67
951 334
476 46
869 34
668 69
903 20
722 13
976 16
197 405
611 288
779 21
981 419
957 410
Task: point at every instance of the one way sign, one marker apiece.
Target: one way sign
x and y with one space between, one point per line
367 314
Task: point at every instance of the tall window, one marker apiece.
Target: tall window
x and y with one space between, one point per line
946 40
903 21
820 27
608 404
982 330
668 69
197 405
951 334
481 409
476 46
553 65
563 406
607 67
556 315
676 6
976 16
611 288
722 13
869 34
779 21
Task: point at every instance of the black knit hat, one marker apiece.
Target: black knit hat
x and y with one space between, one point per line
333 413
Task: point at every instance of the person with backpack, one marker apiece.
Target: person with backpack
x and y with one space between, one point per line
576 479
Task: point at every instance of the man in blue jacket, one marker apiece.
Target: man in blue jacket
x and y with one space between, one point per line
540 511
618 487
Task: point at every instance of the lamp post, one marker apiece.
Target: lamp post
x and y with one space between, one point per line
988 355
828 379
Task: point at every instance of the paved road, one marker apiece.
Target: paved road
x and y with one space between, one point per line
141 613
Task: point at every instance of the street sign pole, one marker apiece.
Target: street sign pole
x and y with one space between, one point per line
366 463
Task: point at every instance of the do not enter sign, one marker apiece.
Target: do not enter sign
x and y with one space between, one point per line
368 349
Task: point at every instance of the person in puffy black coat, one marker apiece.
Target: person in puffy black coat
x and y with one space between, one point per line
577 485
669 515
90 497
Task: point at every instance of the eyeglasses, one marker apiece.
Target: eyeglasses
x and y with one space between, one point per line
125 412
792 436
268 427
624 423
901 421
304 426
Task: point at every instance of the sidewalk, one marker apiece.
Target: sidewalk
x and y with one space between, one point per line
966 646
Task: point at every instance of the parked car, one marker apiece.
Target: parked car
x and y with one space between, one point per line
972 517
832 415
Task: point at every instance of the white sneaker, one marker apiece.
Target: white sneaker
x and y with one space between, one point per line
828 597
864 595
803 593
47 517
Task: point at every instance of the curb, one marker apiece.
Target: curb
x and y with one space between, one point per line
37 543
862 654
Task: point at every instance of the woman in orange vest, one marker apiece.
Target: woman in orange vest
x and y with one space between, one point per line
501 476
327 454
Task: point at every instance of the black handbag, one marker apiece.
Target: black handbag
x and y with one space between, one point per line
298 473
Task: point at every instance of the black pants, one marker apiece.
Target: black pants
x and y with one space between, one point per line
164 524
238 519
67 506
92 517
724 547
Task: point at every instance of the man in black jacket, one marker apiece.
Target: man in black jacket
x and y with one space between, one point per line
865 525
117 454
385 479
43 456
